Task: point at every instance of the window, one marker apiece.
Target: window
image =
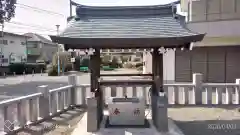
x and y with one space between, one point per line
11 42
23 43
32 45
4 42
5 60
12 59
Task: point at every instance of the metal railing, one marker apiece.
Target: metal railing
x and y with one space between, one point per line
23 111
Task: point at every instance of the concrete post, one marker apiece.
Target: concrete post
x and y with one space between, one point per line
72 80
162 113
8 119
21 113
197 81
44 101
92 116
237 100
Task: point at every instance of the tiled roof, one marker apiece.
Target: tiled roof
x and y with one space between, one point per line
37 37
126 22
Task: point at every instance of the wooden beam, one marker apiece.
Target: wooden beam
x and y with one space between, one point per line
126 74
125 82
95 69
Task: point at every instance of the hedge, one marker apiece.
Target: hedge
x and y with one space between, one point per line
139 65
53 71
19 68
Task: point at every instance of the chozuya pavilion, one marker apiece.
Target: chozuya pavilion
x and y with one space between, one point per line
155 28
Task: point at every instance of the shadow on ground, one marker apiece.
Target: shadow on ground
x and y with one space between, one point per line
207 121
63 124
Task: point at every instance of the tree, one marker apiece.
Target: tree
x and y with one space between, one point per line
7 10
64 60
114 62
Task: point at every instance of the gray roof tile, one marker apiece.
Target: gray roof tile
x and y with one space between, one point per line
125 22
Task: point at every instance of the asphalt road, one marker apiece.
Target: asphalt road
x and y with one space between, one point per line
25 85
11 87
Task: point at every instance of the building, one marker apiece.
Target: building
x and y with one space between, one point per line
40 49
217 56
12 49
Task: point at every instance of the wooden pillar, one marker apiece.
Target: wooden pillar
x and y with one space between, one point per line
95 62
157 70
94 67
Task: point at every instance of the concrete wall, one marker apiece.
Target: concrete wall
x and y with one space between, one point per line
16 47
217 28
212 10
168 65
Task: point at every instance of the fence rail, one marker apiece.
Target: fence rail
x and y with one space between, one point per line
27 110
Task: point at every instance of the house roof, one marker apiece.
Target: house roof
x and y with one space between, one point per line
39 38
130 25
14 34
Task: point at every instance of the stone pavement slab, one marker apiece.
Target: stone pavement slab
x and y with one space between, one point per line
81 129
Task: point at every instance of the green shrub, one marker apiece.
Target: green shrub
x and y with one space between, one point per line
53 71
124 58
105 63
139 65
114 63
140 68
36 68
18 68
128 65
68 67
85 62
137 59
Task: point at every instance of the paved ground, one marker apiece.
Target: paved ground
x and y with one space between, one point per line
81 128
207 121
192 121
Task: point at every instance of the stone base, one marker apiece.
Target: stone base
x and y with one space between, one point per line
81 129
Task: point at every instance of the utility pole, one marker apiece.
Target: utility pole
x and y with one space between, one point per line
70 8
58 59
1 53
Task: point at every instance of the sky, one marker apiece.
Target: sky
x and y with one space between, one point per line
44 23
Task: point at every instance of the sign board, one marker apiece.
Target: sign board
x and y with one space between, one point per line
72 59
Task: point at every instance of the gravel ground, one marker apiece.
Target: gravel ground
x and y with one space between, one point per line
207 121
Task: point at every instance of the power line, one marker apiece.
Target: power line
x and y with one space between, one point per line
30 25
38 9
33 28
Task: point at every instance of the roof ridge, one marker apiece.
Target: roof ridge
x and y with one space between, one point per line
124 7
85 11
